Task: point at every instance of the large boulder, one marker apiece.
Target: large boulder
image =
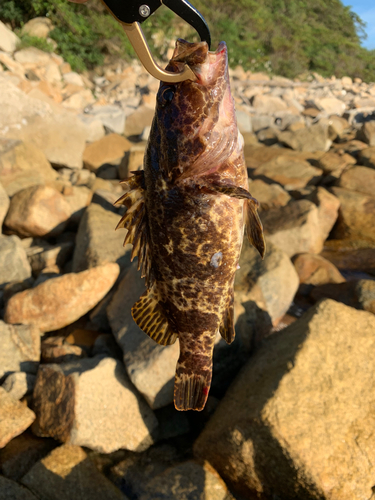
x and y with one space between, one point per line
108 149
14 265
298 422
92 403
361 179
8 39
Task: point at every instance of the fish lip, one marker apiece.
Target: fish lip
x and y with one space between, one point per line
214 65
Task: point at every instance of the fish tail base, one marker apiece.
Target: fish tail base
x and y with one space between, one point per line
191 390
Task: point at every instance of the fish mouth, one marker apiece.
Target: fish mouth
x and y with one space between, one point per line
207 66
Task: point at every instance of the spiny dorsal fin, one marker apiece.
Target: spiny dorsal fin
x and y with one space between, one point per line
253 223
227 325
149 316
135 221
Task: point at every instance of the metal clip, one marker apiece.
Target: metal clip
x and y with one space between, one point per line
130 16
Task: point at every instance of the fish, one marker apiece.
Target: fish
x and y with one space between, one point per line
185 215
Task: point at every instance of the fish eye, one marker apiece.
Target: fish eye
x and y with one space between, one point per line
166 96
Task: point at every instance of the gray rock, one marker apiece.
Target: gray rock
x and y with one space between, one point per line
19 384
78 197
268 195
15 418
297 423
92 403
112 117
67 473
294 228
4 205
10 490
95 128
20 348
97 241
314 138
151 367
44 256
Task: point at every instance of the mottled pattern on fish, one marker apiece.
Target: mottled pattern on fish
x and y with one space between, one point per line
186 216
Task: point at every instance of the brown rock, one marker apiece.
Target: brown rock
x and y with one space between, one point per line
56 350
39 26
78 197
110 148
38 211
367 133
367 157
47 256
335 164
60 301
314 138
294 228
68 474
289 172
345 254
133 160
137 121
14 265
19 384
20 348
15 417
268 104
315 270
356 215
10 490
361 179
4 204
328 208
356 293
186 481
97 241
23 165
268 195
20 454
92 403
298 421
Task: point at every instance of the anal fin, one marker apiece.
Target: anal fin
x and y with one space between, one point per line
227 325
149 316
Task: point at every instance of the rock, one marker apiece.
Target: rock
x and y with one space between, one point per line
137 121
330 105
57 350
335 164
39 27
112 117
20 454
60 301
78 198
19 384
4 204
367 133
73 78
328 208
92 403
52 134
67 473
10 490
186 481
367 157
15 417
47 256
268 104
289 172
297 422
243 121
338 126
95 128
314 270
133 160
361 179
356 293
356 215
151 367
20 348
38 211
313 138
294 228
14 265
32 58
8 39
97 241
110 148
272 281
345 254
23 165
268 195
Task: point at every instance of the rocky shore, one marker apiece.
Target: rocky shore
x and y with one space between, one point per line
85 396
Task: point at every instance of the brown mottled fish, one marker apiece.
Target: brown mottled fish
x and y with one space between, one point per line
186 213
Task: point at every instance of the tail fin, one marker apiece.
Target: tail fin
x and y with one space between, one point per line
191 389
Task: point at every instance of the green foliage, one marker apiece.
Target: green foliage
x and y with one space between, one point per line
286 37
34 41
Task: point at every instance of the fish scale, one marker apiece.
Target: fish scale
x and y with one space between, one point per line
186 214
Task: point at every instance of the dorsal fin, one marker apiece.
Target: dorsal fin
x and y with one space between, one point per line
227 324
135 221
149 316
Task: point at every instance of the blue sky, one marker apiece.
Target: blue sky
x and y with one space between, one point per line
366 11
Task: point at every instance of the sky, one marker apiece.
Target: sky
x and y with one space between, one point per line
366 11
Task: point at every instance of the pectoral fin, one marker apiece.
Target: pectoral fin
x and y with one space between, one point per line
149 316
253 223
227 325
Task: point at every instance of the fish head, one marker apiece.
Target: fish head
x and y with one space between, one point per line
195 126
